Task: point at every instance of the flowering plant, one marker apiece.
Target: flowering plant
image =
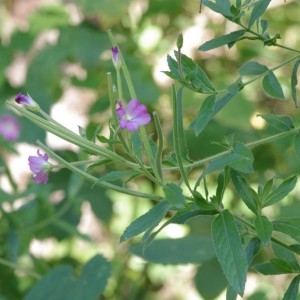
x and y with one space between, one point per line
216 194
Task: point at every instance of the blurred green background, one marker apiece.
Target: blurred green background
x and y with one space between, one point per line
59 53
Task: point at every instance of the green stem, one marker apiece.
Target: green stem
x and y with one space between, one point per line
94 179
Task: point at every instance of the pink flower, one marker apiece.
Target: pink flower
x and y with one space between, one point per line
116 57
133 116
40 167
27 101
9 127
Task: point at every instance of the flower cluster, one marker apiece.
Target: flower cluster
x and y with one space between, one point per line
40 166
10 128
132 116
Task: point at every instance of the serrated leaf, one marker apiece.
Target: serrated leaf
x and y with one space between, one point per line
281 123
281 191
272 86
294 81
190 249
205 114
297 144
247 194
288 226
229 250
174 195
292 291
263 229
148 220
226 39
252 68
258 9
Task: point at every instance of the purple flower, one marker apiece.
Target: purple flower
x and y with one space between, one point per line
9 127
116 57
133 116
27 101
40 166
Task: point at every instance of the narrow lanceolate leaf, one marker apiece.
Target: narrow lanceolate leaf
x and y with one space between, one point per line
246 193
281 123
297 144
117 175
281 191
205 114
252 68
292 291
226 39
272 86
294 81
259 8
149 219
230 251
263 228
174 195
288 226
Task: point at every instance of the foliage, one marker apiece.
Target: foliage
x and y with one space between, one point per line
238 205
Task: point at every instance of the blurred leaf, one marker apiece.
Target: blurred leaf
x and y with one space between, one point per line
285 254
281 191
252 68
288 226
272 86
148 220
118 175
292 291
264 26
252 249
282 266
281 123
297 144
258 9
268 269
247 194
205 114
294 81
56 16
227 39
59 284
263 228
210 280
174 195
230 251
189 249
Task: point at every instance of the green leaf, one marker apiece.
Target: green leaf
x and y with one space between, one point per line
267 269
292 291
252 249
297 144
272 86
285 254
222 181
205 114
148 220
227 39
288 226
210 280
59 283
174 195
118 175
294 81
281 123
246 193
263 228
281 265
281 191
229 250
258 9
190 249
252 68
245 163
220 6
